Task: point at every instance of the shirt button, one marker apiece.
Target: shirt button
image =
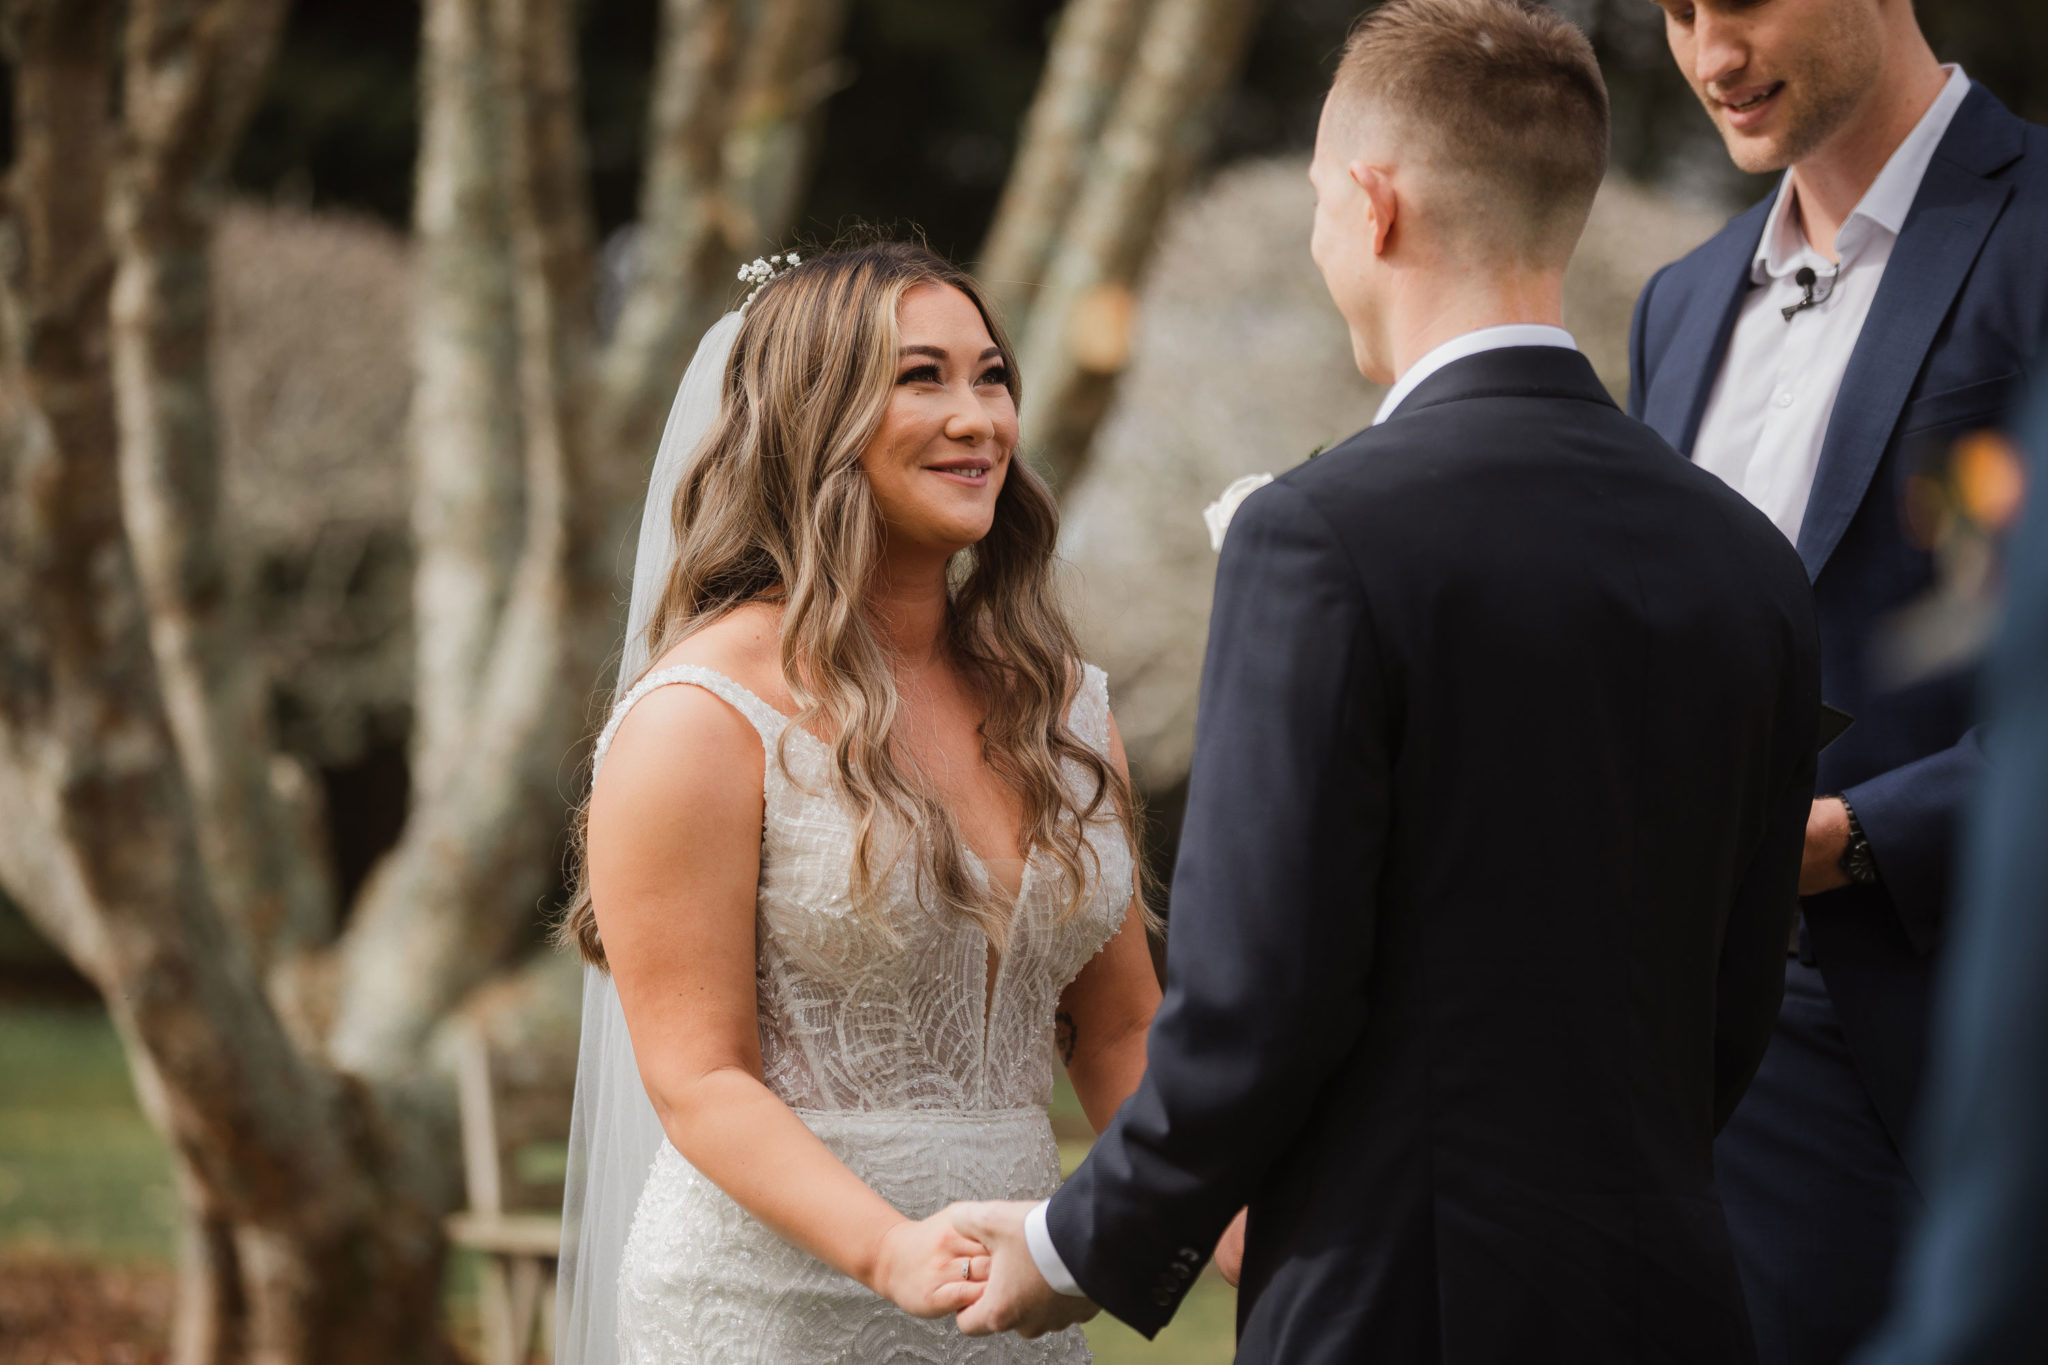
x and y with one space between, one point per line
1784 400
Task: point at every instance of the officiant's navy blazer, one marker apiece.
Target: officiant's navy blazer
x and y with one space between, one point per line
1502 765
1951 337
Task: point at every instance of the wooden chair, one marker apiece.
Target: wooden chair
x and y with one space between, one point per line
513 1222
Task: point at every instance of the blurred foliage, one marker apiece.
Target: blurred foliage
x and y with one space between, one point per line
2003 43
933 93
340 123
20 945
924 129
935 90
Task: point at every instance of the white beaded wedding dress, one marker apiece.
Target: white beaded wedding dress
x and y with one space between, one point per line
882 1030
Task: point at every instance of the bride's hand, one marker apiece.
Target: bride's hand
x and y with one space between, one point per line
929 1268
1230 1250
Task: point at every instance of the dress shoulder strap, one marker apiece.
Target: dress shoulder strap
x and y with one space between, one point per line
765 719
1088 717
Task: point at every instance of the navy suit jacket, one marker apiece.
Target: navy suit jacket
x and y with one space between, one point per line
1947 347
1501 774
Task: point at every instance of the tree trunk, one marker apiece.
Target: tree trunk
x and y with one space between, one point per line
294 1222
465 429
1077 284
735 84
194 68
1090 55
139 822
301 1285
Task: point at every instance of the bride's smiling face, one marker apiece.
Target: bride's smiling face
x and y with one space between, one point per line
937 463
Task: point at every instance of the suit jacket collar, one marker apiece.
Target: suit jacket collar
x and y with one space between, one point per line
1952 215
1507 372
1700 332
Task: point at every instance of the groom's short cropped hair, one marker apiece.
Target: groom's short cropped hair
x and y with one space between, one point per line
1510 102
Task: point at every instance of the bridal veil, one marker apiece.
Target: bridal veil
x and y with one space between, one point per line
613 1133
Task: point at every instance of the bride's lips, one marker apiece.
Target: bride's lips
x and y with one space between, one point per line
1749 106
969 470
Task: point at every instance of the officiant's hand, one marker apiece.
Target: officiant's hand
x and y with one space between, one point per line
1827 839
1017 1298
1229 1256
929 1268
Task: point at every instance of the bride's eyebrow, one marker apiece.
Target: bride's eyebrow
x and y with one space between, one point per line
939 352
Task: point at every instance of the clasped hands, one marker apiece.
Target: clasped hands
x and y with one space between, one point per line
999 1287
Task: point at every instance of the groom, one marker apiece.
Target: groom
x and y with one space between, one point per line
1505 751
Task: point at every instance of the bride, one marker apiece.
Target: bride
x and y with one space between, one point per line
857 861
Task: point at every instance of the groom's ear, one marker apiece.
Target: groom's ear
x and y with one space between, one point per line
1377 186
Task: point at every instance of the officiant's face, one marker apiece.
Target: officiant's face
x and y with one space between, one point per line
1779 77
937 464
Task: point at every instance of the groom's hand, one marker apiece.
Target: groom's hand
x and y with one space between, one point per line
1017 1298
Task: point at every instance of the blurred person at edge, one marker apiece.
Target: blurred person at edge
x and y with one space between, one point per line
1970 1287
1887 296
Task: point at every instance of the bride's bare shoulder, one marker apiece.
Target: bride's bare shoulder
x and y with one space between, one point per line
686 742
744 645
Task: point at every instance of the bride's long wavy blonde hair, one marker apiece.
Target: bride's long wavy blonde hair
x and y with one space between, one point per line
775 508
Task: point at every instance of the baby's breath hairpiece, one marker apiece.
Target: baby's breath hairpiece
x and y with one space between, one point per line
758 272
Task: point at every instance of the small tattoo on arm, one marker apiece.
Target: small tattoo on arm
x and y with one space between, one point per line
1064 1036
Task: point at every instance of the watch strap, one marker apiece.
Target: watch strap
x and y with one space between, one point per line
1857 863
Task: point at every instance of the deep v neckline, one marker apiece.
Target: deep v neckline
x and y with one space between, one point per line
998 962
1027 857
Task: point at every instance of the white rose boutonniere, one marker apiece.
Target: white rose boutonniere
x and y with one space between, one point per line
1217 514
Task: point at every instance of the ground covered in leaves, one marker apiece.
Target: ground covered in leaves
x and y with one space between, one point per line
55 1311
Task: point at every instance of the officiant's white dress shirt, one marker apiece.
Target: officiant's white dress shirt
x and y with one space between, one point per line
1775 394
1036 1236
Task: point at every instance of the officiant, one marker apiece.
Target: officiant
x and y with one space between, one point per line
1884 300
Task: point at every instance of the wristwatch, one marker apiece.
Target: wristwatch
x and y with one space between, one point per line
1857 864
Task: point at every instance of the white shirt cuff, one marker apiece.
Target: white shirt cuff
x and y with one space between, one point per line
1046 1256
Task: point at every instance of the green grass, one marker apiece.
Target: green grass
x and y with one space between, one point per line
82 1174
81 1171
1204 1332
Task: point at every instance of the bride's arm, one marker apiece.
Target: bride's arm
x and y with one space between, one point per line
1106 1010
675 859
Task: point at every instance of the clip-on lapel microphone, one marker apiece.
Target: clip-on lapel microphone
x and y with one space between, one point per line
1806 280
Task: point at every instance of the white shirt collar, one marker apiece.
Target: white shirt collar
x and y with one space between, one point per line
1884 205
1471 343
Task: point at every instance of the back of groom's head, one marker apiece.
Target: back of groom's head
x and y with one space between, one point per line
1504 101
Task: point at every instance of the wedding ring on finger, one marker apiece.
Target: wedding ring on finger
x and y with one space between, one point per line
966 1267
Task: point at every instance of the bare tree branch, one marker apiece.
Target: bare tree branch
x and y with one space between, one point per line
465 421
687 226
90 768
1091 52
737 86
194 70
1079 331
140 822
54 397
463 880
788 72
